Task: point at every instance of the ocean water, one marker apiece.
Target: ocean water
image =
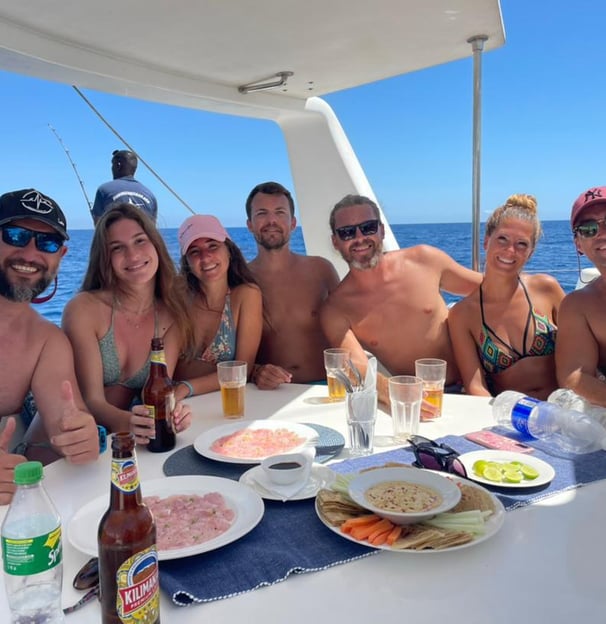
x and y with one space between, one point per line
555 254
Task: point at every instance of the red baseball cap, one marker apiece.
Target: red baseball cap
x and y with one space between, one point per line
596 195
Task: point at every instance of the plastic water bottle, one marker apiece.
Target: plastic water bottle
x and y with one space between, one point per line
571 400
567 429
32 552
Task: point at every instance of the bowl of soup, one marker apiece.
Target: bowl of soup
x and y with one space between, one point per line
404 495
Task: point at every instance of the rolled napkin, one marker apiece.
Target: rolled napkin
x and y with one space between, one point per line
285 491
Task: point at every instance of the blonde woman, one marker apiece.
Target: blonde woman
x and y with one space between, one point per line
504 333
224 302
128 295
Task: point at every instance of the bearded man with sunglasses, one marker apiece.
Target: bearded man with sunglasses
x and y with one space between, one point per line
36 356
581 343
390 303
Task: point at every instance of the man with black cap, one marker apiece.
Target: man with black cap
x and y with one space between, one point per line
581 342
36 355
124 189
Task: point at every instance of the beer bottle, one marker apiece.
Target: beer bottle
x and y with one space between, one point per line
128 560
159 397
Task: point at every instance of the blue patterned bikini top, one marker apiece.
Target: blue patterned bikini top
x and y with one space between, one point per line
495 359
223 346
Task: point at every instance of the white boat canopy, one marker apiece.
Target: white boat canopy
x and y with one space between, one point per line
202 54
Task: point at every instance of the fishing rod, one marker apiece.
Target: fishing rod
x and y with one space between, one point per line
73 164
150 169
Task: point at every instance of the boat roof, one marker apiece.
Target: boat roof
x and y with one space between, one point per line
196 53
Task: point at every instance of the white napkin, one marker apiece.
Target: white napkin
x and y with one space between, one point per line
286 491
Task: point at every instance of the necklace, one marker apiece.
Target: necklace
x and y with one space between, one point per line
138 317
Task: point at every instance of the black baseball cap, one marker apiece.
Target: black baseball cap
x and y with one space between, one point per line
32 204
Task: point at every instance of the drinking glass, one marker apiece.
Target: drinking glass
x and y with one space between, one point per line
361 417
335 360
433 373
232 379
406 396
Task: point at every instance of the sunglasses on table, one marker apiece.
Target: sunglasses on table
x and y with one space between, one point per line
367 228
17 236
436 456
590 228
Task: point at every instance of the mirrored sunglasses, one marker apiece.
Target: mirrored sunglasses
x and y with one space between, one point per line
589 229
436 456
367 228
17 236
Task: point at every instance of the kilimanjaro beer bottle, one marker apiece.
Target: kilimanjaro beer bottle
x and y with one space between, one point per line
159 397
128 561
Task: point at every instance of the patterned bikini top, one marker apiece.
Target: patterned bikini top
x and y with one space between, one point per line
223 346
495 359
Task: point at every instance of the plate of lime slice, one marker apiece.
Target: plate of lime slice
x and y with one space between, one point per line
507 469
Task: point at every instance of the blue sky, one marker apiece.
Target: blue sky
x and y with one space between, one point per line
544 132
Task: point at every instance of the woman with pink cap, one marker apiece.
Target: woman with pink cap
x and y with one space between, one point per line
581 350
226 305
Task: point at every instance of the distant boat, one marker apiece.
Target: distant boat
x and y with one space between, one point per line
269 59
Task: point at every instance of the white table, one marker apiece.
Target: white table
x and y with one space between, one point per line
545 565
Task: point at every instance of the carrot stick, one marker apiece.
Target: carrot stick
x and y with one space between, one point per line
394 535
380 539
359 521
380 527
362 532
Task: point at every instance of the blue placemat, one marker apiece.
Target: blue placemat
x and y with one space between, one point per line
571 471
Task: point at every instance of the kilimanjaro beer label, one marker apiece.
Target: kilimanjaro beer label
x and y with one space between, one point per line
138 595
158 357
125 475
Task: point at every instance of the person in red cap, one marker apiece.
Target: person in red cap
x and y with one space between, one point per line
36 355
581 345
226 305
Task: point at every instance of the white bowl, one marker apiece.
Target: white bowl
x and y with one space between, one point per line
446 488
286 468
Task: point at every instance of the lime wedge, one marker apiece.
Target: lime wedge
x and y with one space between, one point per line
512 476
478 467
529 472
491 473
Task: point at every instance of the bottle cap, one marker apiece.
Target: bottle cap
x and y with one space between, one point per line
28 473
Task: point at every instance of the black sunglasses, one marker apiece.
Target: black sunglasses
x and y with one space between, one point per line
589 229
367 228
436 456
17 236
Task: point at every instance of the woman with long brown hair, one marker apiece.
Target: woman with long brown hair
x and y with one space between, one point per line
224 302
129 295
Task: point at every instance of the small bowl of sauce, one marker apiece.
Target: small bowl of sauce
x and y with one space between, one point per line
285 469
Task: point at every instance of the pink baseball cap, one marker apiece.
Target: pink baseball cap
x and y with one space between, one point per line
200 226
596 195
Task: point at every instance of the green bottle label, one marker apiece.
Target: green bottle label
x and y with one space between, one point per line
30 555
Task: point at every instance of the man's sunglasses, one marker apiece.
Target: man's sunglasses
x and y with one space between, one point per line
589 229
17 236
436 456
367 228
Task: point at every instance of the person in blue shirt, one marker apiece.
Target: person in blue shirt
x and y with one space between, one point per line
124 189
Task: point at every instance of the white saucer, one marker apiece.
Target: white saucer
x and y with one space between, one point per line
320 477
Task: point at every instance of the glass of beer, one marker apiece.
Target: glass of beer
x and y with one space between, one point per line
433 373
335 360
232 379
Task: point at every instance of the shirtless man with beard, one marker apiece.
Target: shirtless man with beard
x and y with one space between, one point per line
390 303
36 355
293 286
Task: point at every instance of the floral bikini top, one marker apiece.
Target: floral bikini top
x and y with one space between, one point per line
223 346
495 359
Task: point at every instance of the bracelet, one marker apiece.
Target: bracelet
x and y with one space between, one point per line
190 388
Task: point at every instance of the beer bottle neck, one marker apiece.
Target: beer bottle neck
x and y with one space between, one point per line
125 490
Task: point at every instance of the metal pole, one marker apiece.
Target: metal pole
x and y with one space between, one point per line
477 45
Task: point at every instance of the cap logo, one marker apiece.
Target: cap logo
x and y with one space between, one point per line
35 202
593 194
